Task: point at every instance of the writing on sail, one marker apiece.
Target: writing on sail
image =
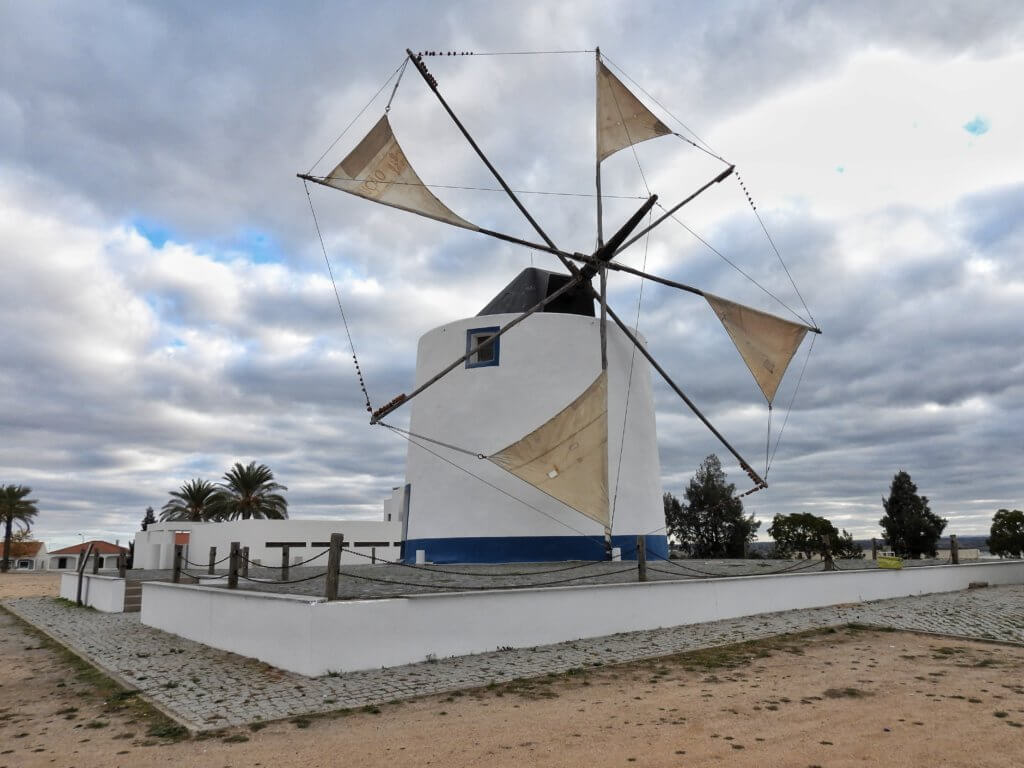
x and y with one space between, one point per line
377 169
390 166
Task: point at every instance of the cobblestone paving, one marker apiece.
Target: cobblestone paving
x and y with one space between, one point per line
207 689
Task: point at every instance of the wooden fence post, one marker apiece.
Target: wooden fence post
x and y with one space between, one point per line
122 565
641 558
245 562
285 565
954 550
233 566
333 564
177 563
213 560
82 560
96 561
874 548
826 553
373 555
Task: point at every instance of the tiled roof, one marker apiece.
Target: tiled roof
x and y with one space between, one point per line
23 548
103 547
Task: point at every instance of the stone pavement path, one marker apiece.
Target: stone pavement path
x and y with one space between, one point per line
207 689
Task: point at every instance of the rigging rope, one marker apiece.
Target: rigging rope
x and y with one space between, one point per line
500 53
629 378
347 180
760 221
789 410
735 266
337 296
432 440
434 569
399 68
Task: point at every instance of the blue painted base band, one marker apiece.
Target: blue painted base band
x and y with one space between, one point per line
528 549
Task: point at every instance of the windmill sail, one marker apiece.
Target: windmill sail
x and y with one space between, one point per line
378 170
567 456
767 343
621 119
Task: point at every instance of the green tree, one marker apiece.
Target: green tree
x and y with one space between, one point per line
250 492
711 523
803 532
149 518
15 510
1006 537
196 501
911 528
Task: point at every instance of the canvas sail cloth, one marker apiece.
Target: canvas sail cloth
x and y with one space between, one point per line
378 170
621 119
567 456
767 343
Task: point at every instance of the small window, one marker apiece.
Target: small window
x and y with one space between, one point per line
488 355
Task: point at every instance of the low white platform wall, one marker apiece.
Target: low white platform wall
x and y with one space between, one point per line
104 593
312 637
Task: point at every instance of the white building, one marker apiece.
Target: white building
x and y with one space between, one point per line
465 509
364 539
26 555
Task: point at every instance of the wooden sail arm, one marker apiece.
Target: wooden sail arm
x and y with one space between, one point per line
721 177
432 82
592 262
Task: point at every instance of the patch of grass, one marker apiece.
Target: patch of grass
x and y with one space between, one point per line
97 724
168 730
112 695
853 693
257 726
66 711
1000 713
301 722
235 738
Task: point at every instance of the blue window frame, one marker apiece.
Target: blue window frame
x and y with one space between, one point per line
488 355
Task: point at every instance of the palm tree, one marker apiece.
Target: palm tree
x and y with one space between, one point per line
15 508
195 501
250 492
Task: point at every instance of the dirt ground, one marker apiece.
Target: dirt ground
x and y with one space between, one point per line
830 699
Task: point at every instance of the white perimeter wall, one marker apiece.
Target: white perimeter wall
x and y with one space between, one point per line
544 364
154 547
104 593
313 637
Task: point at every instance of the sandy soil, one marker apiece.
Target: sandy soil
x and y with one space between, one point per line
29 584
832 699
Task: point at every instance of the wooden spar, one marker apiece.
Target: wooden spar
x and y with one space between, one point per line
693 407
429 79
663 280
604 318
597 173
721 177
380 413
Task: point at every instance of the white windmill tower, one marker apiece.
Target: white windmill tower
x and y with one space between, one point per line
532 432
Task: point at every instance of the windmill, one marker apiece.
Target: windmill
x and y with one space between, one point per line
559 451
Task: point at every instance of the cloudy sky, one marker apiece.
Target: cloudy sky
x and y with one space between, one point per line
166 310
